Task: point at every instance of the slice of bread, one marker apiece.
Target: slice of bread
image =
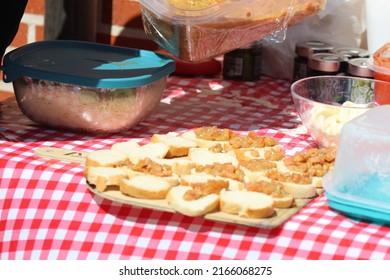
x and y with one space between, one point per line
296 189
274 153
173 180
145 186
196 207
180 166
283 202
126 147
282 167
178 145
233 184
281 198
106 158
103 177
150 150
300 190
255 169
203 156
204 184
315 162
247 204
203 143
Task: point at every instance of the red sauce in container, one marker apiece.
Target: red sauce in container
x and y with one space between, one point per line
380 64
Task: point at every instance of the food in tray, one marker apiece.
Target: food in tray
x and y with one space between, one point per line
145 186
247 204
197 207
243 175
177 146
191 4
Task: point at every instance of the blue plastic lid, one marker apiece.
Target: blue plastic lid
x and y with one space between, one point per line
354 210
86 64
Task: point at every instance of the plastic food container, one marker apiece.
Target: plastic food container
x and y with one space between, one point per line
359 184
195 31
379 62
84 86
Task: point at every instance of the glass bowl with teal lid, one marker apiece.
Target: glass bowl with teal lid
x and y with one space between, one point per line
84 86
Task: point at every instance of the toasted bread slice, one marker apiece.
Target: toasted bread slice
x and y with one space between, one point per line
106 158
150 150
195 207
173 179
300 190
203 156
126 147
178 145
145 186
281 167
204 184
281 198
233 183
180 166
274 153
103 177
247 204
203 143
305 188
283 202
255 169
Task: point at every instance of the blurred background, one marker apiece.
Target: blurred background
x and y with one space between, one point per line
116 22
119 22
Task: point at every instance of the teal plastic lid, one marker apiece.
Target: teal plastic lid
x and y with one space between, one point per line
86 64
354 210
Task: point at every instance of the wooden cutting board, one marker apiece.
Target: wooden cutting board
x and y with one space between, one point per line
279 218
62 154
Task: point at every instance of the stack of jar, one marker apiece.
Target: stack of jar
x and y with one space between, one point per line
315 58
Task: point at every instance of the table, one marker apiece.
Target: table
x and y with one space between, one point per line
47 212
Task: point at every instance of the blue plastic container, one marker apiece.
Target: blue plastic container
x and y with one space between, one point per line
86 86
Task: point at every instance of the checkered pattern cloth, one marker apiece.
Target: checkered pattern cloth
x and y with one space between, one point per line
47 212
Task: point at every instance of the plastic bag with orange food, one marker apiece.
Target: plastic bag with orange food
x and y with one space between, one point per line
196 31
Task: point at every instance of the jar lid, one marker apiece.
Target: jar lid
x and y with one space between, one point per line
359 67
326 62
86 64
305 49
352 52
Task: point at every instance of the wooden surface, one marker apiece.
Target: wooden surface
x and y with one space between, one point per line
280 215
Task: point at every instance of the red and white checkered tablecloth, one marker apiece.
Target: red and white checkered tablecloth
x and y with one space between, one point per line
47 212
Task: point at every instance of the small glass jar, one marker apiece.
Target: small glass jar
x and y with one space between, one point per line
303 51
358 67
320 64
243 64
350 53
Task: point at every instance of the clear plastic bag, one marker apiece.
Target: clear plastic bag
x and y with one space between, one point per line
196 34
341 24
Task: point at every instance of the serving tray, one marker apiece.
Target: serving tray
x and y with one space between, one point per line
280 216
